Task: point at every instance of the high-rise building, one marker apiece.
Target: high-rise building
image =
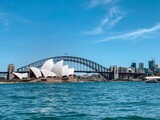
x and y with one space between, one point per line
133 65
141 66
156 66
151 65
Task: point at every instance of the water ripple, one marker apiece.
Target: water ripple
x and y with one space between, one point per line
70 101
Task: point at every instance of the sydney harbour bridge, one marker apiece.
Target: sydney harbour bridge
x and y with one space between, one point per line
81 65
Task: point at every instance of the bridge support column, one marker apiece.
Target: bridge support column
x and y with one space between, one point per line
11 69
114 72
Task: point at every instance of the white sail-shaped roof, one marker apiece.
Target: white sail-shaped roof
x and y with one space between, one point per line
57 69
65 70
48 65
47 73
36 72
21 75
70 71
25 75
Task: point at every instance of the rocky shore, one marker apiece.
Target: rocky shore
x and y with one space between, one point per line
99 78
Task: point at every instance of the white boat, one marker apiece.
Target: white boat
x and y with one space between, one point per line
153 79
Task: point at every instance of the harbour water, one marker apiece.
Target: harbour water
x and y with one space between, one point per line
80 101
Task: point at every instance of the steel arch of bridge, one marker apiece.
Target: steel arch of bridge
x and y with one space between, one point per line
93 66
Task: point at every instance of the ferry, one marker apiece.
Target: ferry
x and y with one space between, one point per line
153 79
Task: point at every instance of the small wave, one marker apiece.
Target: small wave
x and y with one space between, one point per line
45 118
128 118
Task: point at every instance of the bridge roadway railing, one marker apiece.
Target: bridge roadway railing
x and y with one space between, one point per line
2 74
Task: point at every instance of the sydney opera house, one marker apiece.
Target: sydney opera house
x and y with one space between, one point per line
48 71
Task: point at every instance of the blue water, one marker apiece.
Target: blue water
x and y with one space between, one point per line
80 101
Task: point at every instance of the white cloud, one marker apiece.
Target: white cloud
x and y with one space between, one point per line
140 33
7 19
113 17
110 20
24 20
95 3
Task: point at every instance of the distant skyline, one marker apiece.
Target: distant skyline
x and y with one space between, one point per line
109 32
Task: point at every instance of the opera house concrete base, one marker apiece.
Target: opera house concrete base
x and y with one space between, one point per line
42 80
52 80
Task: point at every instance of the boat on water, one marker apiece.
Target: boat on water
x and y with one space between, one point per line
153 79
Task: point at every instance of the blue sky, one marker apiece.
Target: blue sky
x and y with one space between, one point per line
108 32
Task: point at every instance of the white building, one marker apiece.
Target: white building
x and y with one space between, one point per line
48 69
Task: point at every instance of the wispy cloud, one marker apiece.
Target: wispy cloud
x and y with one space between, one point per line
140 33
115 15
24 20
95 3
112 18
95 31
4 19
7 19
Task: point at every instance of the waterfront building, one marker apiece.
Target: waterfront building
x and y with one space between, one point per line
57 68
120 69
47 73
148 71
133 65
140 70
151 65
48 70
141 66
156 66
158 71
20 75
123 69
34 72
131 69
48 65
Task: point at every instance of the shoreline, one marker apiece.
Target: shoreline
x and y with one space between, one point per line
82 81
